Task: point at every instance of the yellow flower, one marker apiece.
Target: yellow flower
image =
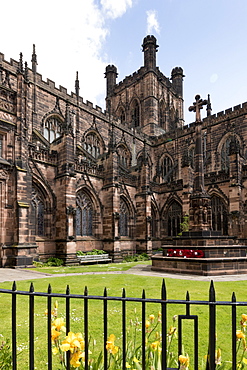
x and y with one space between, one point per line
59 324
151 318
75 359
218 357
184 361
110 346
147 324
159 316
240 334
54 334
155 345
127 365
72 342
55 350
135 360
245 361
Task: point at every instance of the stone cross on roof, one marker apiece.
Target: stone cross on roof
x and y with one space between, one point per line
197 106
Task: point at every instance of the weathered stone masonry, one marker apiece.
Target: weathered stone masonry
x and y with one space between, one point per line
73 177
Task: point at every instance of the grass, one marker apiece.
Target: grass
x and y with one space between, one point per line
90 268
133 284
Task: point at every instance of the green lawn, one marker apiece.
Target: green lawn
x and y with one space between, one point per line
134 285
90 268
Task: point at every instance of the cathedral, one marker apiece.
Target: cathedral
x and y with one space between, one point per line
74 177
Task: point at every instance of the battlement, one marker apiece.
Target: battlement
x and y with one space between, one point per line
50 86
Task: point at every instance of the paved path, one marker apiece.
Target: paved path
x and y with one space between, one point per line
7 274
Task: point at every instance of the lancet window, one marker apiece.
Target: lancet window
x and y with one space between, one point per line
136 114
123 219
123 156
84 215
174 219
219 215
38 212
166 169
225 151
153 222
122 116
52 129
92 145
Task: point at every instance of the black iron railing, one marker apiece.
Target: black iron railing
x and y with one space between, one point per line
163 304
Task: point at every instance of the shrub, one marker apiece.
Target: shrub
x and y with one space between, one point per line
5 355
53 261
136 258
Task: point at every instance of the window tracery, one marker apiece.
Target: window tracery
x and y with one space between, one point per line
84 215
123 156
225 151
38 210
123 219
52 128
219 215
92 145
166 169
173 219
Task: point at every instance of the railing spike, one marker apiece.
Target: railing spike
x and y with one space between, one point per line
85 291
67 290
211 292
105 292
187 296
14 286
49 290
31 290
123 294
143 294
234 297
163 290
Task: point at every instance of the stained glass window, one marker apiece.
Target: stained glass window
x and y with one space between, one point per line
38 212
84 215
219 215
174 219
123 219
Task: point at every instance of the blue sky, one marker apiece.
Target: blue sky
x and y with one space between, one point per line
207 38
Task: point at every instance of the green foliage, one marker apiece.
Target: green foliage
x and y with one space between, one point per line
137 257
184 226
5 355
93 252
52 261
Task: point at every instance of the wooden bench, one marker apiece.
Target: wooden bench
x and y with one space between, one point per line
94 258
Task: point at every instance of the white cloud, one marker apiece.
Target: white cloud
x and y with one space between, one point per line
115 8
152 22
68 39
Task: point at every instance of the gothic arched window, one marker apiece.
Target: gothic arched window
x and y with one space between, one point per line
123 156
122 116
162 115
225 151
123 219
84 215
153 222
38 212
92 145
219 215
52 128
174 219
166 168
136 114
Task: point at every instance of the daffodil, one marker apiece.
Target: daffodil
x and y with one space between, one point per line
110 346
54 335
218 357
59 324
155 345
240 334
184 362
151 318
147 324
75 359
72 342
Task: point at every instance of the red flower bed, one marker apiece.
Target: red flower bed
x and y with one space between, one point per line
186 253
